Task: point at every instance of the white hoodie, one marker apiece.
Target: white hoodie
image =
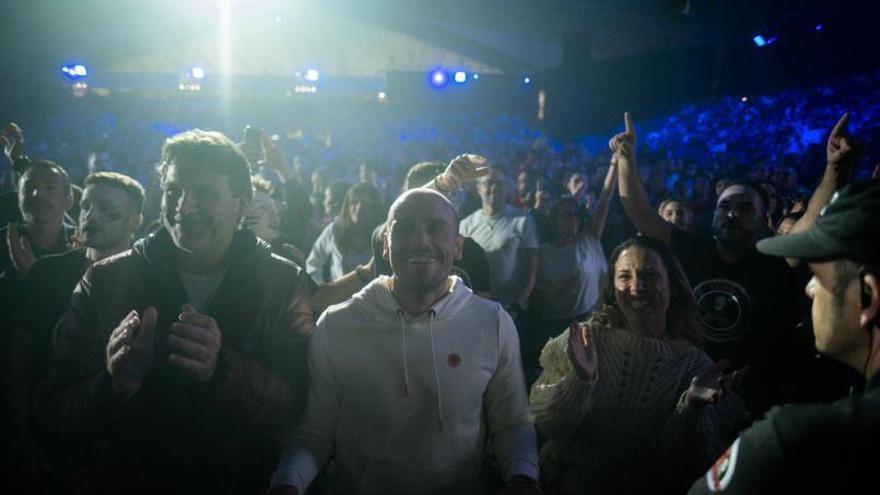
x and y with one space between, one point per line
405 404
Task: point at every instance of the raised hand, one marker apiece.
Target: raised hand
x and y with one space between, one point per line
130 351
195 343
274 156
582 351
12 139
461 169
20 251
623 144
712 384
841 149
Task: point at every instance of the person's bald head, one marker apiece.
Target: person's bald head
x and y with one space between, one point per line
422 240
420 198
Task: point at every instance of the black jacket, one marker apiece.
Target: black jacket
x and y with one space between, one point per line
177 435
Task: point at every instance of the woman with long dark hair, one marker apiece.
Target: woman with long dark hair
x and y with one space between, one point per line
571 267
344 244
627 402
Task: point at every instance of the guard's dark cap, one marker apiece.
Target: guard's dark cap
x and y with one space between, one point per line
847 228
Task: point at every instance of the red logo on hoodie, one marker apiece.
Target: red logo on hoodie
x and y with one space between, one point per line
453 360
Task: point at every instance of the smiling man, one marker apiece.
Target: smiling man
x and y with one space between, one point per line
110 212
185 355
749 303
410 376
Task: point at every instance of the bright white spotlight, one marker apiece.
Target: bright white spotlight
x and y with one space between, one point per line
382 96
198 73
80 70
438 78
476 76
312 75
460 77
527 80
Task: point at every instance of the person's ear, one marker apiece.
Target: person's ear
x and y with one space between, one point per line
386 247
68 200
459 247
243 204
135 222
870 295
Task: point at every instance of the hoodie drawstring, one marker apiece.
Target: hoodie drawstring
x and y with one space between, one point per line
403 344
432 314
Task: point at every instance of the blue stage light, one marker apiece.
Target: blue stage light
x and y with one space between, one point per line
819 27
312 75
460 77
75 71
438 78
759 40
527 80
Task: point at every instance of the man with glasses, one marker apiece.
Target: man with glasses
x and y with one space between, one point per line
509 237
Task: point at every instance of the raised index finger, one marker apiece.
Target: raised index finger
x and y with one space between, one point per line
630 128
840 126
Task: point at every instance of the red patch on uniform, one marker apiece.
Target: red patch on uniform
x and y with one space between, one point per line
453 360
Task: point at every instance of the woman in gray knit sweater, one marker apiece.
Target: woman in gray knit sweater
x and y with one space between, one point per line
627 402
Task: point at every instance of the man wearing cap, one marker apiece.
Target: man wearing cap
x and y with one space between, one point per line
820 447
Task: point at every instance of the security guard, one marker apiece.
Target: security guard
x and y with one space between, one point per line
821 447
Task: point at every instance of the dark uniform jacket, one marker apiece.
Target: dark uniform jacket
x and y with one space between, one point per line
177 435
816 448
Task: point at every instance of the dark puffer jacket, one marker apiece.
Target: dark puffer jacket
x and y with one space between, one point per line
177 435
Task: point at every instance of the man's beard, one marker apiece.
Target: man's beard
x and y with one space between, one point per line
730 242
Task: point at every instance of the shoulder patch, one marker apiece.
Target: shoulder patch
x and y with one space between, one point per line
719 476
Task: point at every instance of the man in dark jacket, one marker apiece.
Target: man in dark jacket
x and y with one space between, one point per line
181 362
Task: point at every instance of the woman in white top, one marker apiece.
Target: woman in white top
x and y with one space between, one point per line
571 265
345 242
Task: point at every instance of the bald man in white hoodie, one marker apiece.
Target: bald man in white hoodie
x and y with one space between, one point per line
410 376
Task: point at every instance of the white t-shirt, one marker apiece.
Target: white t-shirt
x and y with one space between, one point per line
201 288
326 250
504 237
570 277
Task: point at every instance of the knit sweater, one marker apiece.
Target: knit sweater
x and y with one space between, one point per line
630 429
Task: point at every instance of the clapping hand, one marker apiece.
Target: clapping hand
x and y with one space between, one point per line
195 344
20 251
130 351
712 384
582 351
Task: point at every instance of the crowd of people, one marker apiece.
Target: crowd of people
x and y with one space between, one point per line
535 317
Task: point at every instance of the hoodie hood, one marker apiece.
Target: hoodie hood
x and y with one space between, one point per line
377 301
